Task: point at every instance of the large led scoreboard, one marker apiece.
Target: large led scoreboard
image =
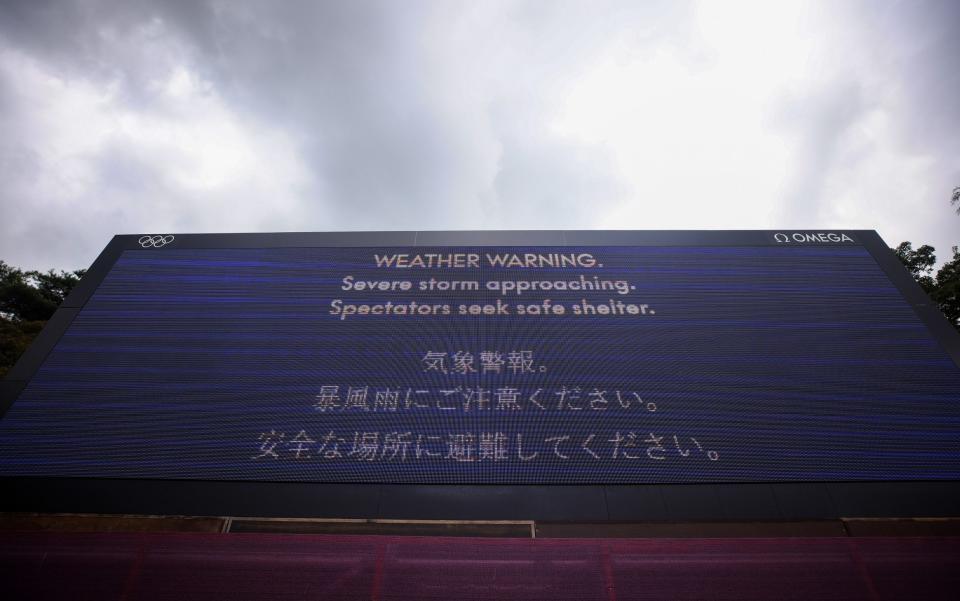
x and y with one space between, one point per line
567 375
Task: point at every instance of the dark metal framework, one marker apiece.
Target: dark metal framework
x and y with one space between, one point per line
588 503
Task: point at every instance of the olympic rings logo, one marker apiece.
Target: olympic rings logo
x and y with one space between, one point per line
155 241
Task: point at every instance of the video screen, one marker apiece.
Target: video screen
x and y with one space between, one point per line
492 365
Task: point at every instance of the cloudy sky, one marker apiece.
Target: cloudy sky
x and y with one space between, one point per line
136 116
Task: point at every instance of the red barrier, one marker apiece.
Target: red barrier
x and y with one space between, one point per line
182 567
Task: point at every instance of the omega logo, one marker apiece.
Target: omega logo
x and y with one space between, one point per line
822 237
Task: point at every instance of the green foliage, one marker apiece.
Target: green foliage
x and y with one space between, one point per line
944 288
27 300
34 295
919 263
947 293
15 337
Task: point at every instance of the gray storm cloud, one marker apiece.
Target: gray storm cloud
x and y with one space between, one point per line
127 117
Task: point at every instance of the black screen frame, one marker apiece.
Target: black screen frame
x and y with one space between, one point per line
774 501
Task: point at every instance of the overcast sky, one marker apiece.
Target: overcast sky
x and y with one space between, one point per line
140 116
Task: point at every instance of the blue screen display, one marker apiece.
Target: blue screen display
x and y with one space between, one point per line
568 365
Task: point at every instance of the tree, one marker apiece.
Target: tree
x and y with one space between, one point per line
27 300
947 291
944 288
955 200
919 263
